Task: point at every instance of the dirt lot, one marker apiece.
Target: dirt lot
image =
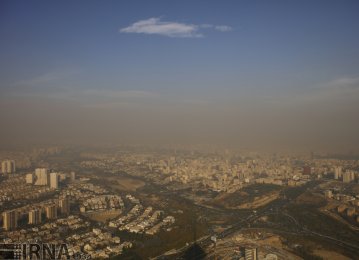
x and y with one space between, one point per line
126 184
103 216
250 197
329 255
309 198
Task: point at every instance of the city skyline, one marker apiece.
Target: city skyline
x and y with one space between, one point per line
138 202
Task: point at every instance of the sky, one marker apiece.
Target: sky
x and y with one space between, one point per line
246 73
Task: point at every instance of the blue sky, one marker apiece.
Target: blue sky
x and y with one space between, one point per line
100 53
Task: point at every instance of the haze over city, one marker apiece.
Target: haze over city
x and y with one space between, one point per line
179 130
245 73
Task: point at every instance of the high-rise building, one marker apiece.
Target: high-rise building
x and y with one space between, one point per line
54 180
30 178
250 254
73 176
34 216
348 176
64 204
10 220
51 211
41 176
337 172
352 175
8 166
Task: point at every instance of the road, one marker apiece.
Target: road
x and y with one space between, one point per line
206 241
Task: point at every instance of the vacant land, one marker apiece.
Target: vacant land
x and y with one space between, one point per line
117 182
103 216
326 254
310 198
250 197
260 201
126 183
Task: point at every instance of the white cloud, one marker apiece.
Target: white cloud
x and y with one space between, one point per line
220 28
171 29
341 83
206 25
156 26
223 28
